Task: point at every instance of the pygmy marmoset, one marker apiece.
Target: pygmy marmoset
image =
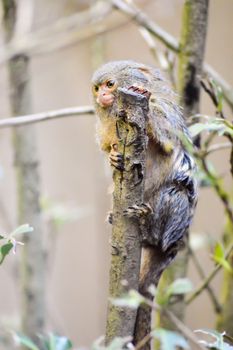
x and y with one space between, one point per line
170 187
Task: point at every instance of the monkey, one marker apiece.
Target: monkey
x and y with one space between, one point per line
170 193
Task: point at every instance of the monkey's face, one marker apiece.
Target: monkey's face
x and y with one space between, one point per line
104 93
124 74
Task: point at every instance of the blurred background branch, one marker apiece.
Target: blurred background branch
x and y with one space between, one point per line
46 116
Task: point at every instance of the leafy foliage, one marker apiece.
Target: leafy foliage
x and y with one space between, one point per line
25 341
170 340
9 242
132 299
178 287
49 342
218 125
219 257
218 343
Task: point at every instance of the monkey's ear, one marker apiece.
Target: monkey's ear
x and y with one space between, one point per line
151 72
144 69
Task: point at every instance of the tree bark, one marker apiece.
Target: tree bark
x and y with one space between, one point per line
32 268
129 190
191 56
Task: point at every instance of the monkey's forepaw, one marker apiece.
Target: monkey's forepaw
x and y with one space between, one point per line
138 211
116 158
140 90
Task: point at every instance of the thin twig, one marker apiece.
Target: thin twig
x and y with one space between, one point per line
200 270
50 115
187 333
158 55
210 91
225 86
162 58
208 279
183 329
62 32
223 195
218 147
77 27
141 18
143 342
172 43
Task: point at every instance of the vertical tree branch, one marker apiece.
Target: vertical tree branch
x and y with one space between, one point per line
191 55
225 318
98 56
191 58
129 190
28 185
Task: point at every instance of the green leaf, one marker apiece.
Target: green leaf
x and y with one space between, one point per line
225 264
180 286
197 128
219 257
162 298
61 343
218 251
187 142
219 342
55 342
26 228
218 93
169 340
132 299
221 126
25 341
4 251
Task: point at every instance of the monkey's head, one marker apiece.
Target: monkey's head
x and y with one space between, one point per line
122 74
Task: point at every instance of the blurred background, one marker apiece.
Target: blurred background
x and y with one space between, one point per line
75 176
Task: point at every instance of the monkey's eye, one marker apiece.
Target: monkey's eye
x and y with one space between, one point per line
110 83
96 88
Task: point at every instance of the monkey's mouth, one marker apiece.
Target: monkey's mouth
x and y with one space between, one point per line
105 100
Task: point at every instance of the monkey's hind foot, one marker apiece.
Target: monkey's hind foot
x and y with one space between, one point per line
138 211
116 158
140 90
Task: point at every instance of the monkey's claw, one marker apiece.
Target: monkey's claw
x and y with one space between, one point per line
109 217
140 90
116 159
138 211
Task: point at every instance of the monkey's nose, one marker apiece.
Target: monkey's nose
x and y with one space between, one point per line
105 99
